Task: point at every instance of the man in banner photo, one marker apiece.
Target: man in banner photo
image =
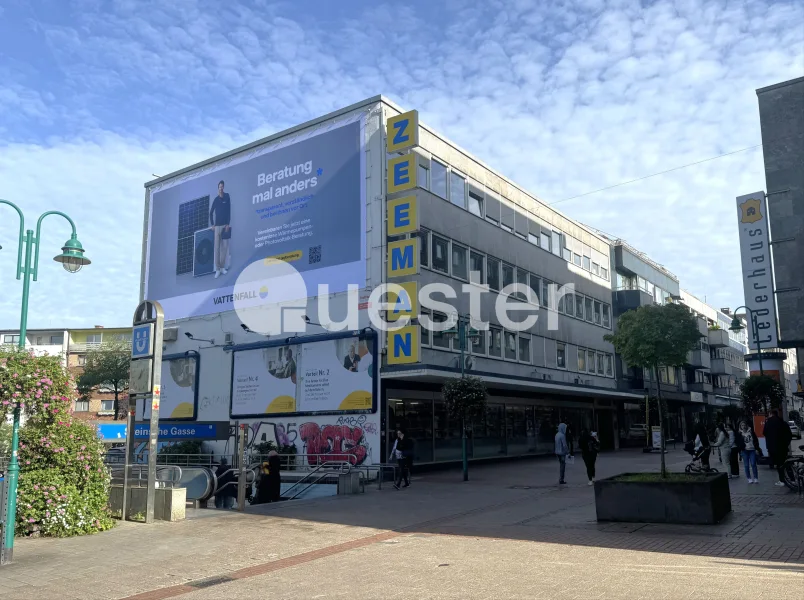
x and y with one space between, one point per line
220 216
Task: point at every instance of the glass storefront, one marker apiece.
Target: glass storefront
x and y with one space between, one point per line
506 429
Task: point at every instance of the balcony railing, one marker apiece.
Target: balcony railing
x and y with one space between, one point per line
86 347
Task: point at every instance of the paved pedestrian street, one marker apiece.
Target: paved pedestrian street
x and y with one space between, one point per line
510 532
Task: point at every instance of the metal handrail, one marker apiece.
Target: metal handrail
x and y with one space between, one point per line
138 475
342 467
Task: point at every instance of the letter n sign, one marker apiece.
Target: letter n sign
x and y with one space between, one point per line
403 258
402 131
403 345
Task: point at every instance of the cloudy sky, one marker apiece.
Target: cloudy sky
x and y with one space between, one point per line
564 97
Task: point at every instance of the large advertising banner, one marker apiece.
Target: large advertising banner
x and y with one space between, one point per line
757 269
264 381
301 199
322 376
336 375
179 390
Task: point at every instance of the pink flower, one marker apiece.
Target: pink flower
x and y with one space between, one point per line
45 405
86 467
27 462
36 487
49 500
30 520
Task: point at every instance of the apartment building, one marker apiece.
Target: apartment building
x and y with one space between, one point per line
42 342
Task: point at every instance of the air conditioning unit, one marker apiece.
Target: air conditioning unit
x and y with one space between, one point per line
204 253
170 334
228 339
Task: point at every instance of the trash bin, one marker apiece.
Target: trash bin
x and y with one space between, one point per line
349 483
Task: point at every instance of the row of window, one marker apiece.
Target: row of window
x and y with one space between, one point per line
39 340
446 256
450 185
497 342
626 282
83 406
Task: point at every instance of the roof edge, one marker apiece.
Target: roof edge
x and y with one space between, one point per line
776 86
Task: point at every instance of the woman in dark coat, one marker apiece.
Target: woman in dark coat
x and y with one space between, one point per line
589 449
269 486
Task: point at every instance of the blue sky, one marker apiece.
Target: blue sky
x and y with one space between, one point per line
563 97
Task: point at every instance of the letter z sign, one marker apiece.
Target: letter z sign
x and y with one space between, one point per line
402 131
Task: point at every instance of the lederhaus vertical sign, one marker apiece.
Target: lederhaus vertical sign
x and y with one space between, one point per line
752 218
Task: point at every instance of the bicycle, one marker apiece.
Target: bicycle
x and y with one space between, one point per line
792 471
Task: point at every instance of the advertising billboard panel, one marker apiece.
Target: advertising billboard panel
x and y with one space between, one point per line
301 199
179 391
755 252
327 376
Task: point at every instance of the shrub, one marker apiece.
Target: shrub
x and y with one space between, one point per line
64 486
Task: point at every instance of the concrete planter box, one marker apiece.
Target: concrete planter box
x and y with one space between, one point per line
700 500
169 503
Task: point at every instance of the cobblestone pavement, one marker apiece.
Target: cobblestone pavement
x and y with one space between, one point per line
510 532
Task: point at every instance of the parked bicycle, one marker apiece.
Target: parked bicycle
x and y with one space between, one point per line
794 471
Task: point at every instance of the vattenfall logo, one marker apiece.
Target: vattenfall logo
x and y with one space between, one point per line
250 295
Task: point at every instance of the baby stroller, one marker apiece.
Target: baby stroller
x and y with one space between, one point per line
696 465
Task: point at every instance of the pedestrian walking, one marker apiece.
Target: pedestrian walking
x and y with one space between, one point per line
721 442
702 445
561 450
734 453
402 452
225 490
777 439
748 444
590 446
269 485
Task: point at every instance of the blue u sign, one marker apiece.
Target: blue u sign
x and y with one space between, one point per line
142 340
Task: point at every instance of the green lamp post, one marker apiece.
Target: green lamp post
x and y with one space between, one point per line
736 326
72 259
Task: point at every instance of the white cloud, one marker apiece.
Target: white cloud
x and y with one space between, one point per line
563 99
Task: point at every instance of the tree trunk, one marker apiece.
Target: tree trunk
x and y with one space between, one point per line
661 420
116 404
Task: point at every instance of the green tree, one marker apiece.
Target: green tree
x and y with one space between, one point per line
107 367
760 394
465 401
656 336
64 486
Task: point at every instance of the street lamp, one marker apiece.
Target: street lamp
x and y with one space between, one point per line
736 325
72 259
460 330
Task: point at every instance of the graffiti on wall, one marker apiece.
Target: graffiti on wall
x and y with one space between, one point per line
335 438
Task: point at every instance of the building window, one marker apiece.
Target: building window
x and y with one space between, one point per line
522 280
579 306
524 348
510 345
56 340
581 360
595 268
604 273
507 275
81 405
457 190
424 247
600 370
423 177
82 360
495 342
567 253
560 307
94 339
475 203
440 340
493 273
492 208
556 243
107 405
425 331
536 286
547 302
609 365
438 179
606 315
476 268
440 253
590 361
11 339
507 217
533 239
587 263
561 355
544 240
598 311
459 261
569 304
642 284
479 342
588 309
576 259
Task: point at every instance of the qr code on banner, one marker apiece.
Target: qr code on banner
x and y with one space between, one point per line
315 254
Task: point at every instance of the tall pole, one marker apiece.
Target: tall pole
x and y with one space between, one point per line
755 333
462 344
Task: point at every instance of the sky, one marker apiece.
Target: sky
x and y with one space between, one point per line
564 97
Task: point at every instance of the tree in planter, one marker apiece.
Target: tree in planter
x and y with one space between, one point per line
64 485
465 401
108 367
761 394
653 336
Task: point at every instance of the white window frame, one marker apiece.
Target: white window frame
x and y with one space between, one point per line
561 347
528 338
465 249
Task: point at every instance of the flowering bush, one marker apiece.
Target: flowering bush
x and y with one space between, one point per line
64 486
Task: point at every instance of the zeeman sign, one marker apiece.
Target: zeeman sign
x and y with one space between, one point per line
402 135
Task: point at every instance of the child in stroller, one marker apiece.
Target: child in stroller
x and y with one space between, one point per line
696 466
